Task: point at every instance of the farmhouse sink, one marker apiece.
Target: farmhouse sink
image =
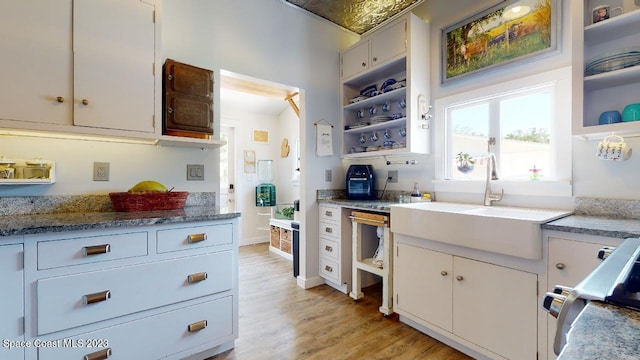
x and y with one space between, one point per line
504 230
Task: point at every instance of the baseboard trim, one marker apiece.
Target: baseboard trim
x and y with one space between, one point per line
309 283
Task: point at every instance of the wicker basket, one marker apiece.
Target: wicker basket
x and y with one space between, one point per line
124 201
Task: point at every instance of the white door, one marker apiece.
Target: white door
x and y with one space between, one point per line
227 169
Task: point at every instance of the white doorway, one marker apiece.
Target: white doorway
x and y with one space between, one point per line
227 169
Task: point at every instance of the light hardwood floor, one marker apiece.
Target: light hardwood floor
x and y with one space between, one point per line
279 320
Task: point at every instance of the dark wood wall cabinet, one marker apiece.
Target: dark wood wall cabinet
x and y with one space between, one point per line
187 103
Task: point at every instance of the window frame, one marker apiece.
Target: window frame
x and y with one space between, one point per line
560 184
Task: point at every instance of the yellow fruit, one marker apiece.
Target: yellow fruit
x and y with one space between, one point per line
148 186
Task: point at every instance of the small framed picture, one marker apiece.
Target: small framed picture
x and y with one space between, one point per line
261 136
601 13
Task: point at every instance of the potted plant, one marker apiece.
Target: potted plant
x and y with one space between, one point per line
464 162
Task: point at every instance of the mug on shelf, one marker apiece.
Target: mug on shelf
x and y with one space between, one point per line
604 12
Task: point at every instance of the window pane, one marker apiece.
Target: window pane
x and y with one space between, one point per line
525 123
469 134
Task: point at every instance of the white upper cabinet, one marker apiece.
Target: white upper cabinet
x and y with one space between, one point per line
113 69
37 61
610 90
392 67
79 66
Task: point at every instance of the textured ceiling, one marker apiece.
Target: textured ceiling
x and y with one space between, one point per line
358 16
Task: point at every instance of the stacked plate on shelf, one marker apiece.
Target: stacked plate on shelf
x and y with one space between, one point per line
616 60
379 119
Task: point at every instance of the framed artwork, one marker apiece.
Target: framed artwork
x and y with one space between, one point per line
506 32
249 161
261 136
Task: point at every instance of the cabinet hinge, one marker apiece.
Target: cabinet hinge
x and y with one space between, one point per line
537 287
153 69
397 297
21 259
153 16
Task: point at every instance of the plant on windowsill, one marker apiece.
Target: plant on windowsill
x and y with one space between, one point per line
464 162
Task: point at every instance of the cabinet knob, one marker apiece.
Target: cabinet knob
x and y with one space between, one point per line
197 326
459 278
169 77
328 229
99 355
170 110
375 59
328 248
444 273
85 102
560 266
60 99
328 213
364 64
328 268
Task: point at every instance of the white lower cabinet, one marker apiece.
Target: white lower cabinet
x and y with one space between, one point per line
11 301
167 291
477 303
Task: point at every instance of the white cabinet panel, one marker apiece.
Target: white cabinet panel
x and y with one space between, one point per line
355 60
36 61
11 300
131 289
389 43
170 330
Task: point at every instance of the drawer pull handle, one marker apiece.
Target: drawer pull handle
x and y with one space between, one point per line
328 229
444 273
99 355
96 250
194 278
195 238
560 266
459 278
328 248
197 326
328 213
96 297
328 268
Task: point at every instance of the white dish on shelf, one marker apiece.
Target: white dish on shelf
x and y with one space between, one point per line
357 99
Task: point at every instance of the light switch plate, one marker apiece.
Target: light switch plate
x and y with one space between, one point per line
195 172
327 175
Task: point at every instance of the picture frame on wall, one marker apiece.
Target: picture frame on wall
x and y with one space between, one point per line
507 32
260 136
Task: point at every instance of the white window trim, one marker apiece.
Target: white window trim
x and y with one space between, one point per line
559 186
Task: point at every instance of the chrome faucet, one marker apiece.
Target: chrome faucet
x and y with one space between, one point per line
492 174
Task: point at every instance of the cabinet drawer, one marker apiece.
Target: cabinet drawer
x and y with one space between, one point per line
152 337
329 230
330 213
330 249
90 249
194 237
61 300
330 269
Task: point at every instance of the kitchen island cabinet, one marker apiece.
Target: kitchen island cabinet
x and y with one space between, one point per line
164 288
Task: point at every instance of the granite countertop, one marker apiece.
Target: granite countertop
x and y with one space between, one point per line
595 225
377 205
604 331
24 224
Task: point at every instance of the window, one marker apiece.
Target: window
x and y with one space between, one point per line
520 122
530 120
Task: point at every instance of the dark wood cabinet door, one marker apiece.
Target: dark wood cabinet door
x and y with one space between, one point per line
188 99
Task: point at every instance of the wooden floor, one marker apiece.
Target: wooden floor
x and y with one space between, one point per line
279 320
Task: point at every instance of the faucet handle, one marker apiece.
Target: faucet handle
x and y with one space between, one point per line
497 197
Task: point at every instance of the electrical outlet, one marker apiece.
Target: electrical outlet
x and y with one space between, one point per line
327 175
195 172
392 175
100 171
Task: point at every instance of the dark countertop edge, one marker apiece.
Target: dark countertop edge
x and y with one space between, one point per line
15 225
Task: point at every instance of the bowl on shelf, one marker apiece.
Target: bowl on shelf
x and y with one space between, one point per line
610 117
631 112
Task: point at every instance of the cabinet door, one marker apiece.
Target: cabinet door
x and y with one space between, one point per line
36 61
114 54
355 59
12 300
389 43
496 308
422 282
569 262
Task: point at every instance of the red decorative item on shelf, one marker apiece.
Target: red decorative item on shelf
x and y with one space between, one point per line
170 200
